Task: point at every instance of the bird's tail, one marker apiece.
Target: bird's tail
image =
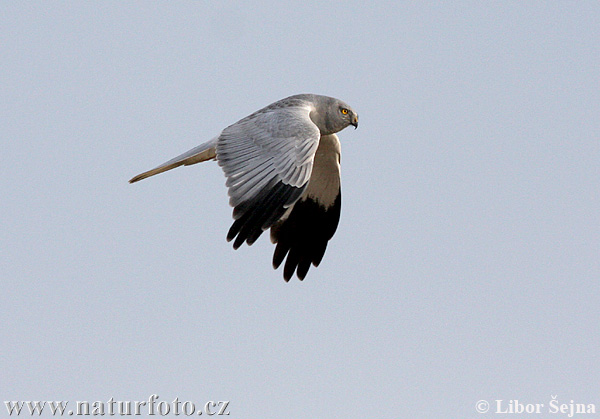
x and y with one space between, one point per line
203 152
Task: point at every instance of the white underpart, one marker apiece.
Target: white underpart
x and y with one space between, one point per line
324 184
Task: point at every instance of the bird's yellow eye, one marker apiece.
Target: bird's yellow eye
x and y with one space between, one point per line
344 111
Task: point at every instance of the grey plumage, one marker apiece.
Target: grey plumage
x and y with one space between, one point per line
269 159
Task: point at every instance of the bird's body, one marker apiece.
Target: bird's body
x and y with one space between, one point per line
282 165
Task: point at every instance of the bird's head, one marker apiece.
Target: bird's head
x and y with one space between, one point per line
349 116
332 115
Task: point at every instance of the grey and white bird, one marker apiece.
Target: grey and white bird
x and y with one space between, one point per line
282 165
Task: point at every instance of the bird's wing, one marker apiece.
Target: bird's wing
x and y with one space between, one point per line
267 159
197 154
303 232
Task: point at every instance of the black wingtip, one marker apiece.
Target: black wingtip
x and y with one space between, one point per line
239 240
254 216
302 237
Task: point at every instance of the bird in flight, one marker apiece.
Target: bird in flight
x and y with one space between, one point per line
282 165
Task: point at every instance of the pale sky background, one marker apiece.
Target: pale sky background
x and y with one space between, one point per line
466 263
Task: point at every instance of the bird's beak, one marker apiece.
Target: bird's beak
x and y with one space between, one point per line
354 122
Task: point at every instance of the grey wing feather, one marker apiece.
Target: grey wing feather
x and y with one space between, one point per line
267 159
203 152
